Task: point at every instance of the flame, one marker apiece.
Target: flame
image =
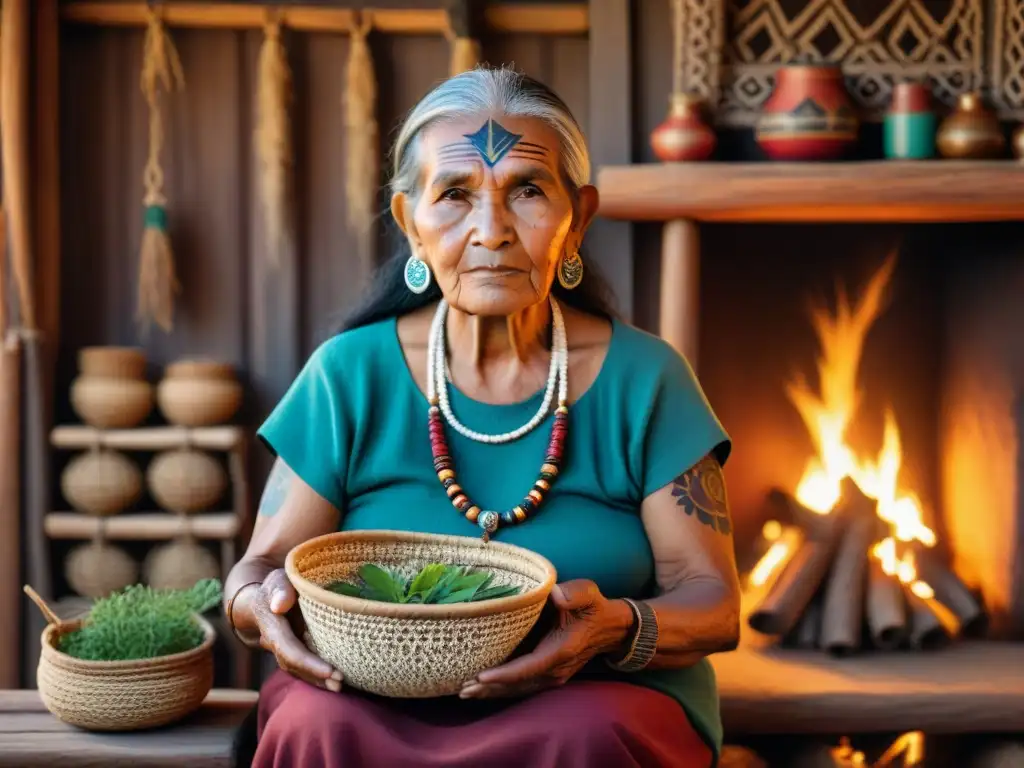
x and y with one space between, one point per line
828 415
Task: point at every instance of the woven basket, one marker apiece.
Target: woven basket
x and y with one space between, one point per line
414 651
123 695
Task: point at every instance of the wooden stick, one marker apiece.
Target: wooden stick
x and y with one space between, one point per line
51 617
781 607
551 19
843 607
932 625
950 591
886 608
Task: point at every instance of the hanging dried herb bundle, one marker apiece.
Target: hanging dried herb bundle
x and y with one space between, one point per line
142 623
273 140
434 584
158 282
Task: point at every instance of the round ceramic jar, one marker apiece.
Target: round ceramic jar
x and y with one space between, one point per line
909 127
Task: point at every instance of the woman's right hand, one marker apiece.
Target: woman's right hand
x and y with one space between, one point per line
270 603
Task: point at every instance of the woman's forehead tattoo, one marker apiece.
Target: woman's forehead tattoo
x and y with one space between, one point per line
491 142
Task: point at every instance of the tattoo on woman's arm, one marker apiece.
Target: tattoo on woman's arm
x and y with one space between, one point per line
276 489
700 491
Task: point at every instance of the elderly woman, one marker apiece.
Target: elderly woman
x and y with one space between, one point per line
491 331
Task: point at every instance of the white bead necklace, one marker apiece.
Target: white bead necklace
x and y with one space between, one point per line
438 376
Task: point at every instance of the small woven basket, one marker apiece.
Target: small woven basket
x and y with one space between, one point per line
123 695
414 651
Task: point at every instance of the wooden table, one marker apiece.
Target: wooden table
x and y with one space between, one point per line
30 736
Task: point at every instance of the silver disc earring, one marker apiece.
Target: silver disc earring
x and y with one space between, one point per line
417 275
570 271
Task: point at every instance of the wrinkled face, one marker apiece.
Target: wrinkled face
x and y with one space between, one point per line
493 215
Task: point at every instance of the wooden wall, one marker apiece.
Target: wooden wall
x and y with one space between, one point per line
755 280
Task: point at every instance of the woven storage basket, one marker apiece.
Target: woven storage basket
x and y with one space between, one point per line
414 651
123 695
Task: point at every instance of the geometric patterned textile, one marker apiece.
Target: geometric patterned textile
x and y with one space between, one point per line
1007 60
733 48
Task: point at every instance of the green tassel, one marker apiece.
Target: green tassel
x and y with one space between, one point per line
156 217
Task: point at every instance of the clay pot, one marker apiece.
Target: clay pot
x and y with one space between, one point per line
909 126
186 480
809 115
199 393
971 131
112 362
111 403
684 136
101 483
1018 143
111 391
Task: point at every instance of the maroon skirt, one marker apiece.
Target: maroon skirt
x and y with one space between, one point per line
585 724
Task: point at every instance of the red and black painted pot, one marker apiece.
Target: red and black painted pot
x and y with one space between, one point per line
684 136
809 115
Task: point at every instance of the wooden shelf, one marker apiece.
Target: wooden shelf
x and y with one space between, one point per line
225 438
142 526
888 191
551 18
969 687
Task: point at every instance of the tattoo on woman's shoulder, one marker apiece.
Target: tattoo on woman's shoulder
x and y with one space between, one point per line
276 489
700 491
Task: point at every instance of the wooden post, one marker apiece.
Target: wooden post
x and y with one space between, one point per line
610 243
46 178
680 286
10 512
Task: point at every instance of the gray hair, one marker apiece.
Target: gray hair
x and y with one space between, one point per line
498 91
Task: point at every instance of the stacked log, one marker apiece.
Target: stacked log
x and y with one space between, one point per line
830 592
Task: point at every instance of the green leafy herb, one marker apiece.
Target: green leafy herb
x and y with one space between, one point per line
436 583
142 623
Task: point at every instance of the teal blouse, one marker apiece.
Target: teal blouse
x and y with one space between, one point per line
353 426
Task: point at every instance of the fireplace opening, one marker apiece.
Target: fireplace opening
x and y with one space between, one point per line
869 378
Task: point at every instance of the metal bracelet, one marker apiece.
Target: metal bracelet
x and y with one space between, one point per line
229 612
644 643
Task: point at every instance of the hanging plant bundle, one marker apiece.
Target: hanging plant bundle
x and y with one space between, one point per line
273 140
362 157
158 283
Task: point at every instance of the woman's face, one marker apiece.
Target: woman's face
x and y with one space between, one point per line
493 215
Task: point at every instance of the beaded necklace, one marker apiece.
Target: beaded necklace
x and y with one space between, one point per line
440 411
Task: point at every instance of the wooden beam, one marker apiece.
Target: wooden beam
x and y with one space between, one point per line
77 437
610 244
679 305
142 526
883 191
553 18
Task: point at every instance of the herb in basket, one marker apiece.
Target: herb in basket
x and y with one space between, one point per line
142 623
434 584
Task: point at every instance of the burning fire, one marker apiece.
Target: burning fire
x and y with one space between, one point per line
828 415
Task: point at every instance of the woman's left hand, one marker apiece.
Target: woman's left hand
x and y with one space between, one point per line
588 624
